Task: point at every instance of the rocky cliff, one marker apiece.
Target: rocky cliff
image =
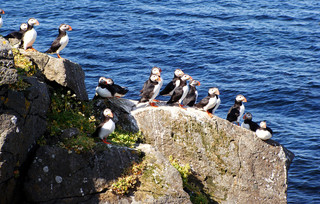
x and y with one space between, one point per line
222 162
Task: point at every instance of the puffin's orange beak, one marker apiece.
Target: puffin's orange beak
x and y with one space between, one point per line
217 92
2 12
110 115
244 117
199 83
70 29
37 23
244 100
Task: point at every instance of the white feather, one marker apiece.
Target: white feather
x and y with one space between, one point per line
156 90
245 125
242 109
1 22
107 129
217 105
63 43
105 93
263 134
212 102
184 93
29 38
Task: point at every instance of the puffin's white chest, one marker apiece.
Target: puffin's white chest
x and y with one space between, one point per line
105 93
107 129
245 125
212 102
156 90
263 134
217 105
63 43
185 91
176 85
1 22
242 109
29 38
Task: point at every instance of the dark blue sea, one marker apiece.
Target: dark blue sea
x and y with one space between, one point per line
269 51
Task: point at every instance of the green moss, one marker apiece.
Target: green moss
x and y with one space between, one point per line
23 64
124 138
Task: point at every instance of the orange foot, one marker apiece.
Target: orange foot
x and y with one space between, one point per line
31 49
153 105
59 56
105 141
155 100
210 114
182 106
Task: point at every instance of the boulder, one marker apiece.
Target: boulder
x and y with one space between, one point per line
60 176
60 70
232 164
8 75
22 122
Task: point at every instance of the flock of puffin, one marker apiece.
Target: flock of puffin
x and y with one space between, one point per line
179 90
27 36
182 93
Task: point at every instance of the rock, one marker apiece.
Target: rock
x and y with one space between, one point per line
22 122
87 177
8 75
62 71
70 132
232 164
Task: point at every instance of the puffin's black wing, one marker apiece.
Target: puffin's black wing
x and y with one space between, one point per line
55 46
233 113
176 95
144 86
203 102
15 34
269 129
253 126
120 89
147 93
96 132
170 86
190 99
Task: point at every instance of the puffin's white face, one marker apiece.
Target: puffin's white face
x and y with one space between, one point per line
186 77
156 71
263 124
155 78
178 73
33 21
109 81
23 26
65 27
108 113
102 80
241 98
214 90
247 116
195 83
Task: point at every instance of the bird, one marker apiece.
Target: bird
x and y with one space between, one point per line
154 71
264 132
18 34
61 41
107 88
151 90
192 95
181 91
248 123
173 84
1 20
106 127
237 110
211 102
29 37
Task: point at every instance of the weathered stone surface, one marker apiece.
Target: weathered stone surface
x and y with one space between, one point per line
62 71
22 122
57 176
233 165
7 74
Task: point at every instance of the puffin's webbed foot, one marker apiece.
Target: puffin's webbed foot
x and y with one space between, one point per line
105 141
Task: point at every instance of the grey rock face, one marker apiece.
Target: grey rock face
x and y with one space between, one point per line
22 122
62 71
57 176
233 165
8 75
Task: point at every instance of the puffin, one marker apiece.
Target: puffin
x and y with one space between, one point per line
61 41
18 34
151 90
237 110
211 102
1 21
192 95
173 84
264 132
106 127
248 123
154 71
107 88
181 91
29 37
